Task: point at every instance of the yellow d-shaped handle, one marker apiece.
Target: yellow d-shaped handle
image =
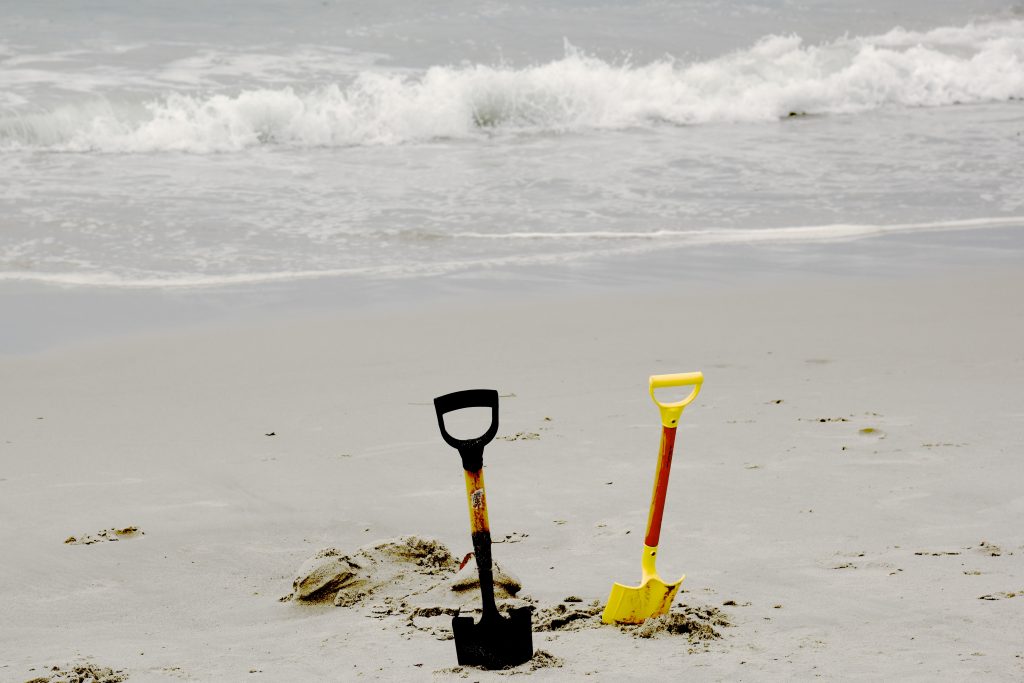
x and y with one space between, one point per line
670 412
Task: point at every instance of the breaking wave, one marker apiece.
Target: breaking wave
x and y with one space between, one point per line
776 77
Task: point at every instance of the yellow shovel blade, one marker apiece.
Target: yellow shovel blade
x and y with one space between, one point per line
634 604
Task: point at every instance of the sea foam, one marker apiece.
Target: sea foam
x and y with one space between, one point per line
776 77
583 246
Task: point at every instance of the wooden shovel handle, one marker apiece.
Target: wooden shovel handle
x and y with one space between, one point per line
477 501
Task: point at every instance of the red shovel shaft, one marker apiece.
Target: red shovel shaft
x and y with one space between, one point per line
668 441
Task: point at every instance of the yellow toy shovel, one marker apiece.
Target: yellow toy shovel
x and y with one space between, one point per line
653 597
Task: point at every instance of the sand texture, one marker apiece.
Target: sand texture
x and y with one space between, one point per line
845 498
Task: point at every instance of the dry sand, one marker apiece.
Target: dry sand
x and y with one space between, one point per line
846 496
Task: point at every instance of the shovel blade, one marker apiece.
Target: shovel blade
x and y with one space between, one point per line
494 642
634 604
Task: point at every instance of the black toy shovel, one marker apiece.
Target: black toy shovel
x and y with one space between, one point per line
495 642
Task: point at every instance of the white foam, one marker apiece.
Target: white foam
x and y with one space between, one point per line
214 67
777 76
614 244
834 232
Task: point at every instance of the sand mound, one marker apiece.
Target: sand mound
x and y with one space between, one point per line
696 623
81 673
468 578
415 585
394 569
542 659
349 579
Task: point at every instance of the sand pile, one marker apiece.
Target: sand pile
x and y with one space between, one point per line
412 584
80 673
416 585
697 623
392 569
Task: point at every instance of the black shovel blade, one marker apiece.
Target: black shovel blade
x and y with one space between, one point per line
495 642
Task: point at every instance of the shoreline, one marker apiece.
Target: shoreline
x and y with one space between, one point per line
96 314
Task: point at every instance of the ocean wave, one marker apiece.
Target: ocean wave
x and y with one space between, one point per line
776 77
588 246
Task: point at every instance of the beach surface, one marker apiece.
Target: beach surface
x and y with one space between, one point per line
845 500
244 245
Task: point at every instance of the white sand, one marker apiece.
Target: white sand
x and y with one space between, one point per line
847 552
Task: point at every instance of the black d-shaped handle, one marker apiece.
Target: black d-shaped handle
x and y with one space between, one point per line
471 450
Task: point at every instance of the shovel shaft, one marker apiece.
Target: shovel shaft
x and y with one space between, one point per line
481 529
477 500
668 440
